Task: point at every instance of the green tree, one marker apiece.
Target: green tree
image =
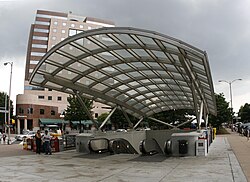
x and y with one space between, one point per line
224 113
102 117
2 105
244 113
75 111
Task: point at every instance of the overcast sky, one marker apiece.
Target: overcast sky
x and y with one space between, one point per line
219 27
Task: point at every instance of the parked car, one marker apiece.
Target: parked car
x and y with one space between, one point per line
28 134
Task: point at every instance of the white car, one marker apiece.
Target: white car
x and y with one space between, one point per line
29 134
1 136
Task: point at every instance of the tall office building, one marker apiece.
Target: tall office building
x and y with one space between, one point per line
50 28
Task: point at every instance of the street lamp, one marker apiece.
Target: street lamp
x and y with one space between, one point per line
230 92
11 64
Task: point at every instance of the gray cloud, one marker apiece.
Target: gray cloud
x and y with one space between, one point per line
220 27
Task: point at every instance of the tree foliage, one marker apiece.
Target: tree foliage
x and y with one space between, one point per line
244 113
224 113
75 111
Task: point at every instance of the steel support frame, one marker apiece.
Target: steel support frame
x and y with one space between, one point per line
138 123
159 121
107 118
85 108
127 118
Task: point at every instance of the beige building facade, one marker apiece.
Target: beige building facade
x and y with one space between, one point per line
39 103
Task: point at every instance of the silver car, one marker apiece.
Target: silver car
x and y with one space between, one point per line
29 134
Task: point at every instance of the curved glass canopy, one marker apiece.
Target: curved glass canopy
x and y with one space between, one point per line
143 72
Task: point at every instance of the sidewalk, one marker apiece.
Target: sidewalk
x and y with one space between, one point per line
241 148
220 165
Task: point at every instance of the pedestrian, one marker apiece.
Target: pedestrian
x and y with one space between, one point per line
4 137
46 140
38 138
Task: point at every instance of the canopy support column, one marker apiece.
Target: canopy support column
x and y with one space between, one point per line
107 118
85 108
159 121
138 123
188 121
200 114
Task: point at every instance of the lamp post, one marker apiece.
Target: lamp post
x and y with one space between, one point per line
11 64
231 95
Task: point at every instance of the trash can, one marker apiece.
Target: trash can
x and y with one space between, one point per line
29 143
25 144
54 144
183 146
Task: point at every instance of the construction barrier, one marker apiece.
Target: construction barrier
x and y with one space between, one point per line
214 133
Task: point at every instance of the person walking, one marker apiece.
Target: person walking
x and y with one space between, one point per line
4 137
38 138
46 140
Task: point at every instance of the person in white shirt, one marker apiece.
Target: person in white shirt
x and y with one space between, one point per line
46 140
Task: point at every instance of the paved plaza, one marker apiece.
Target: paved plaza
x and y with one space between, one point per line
220 165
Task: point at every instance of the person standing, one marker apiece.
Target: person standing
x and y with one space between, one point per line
46 140
38 138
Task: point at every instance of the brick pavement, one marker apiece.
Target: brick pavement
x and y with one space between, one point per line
241 149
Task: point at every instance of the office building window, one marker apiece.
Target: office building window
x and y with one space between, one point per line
53 113
64 24
59 98
30 110
42 111
20 110
49 97
63 31
40 97
96 115
55 23
50 89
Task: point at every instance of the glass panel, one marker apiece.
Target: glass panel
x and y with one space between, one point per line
58 58
134 74
97 74
85 81
139 106
168 45
123 87
71 50
140 97
79 67
138 65
90 45
131 102
122 97
141 89
107 40
122 77
123 53
133 83
100 87
159 54
125 38
132 92
141 52
38 78
109 81
67 74
95 62
50 68
112 93
149 94
123 66
146 40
